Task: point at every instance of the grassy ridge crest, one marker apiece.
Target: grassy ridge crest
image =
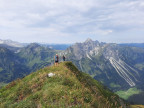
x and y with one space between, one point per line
68 88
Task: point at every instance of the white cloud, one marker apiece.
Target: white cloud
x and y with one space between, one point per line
68 18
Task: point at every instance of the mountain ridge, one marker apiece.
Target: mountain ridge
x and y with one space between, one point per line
10 66
11 43
120 68
26 60
114 55
68 88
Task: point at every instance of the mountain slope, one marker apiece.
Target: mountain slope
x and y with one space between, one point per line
10 66
109 62
14 49
68 88
28 59
117 67
36 56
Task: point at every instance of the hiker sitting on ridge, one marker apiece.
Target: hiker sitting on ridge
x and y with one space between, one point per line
56 59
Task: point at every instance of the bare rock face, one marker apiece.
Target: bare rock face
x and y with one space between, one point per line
109 62
81 50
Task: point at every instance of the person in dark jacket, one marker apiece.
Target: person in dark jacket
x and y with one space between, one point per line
63 57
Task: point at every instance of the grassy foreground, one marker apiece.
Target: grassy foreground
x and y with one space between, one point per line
68 88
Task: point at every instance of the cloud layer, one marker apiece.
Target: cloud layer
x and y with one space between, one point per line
68 21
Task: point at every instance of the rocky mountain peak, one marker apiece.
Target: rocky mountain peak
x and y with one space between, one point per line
33 45
88 40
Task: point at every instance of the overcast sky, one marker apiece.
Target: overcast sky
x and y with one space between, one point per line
70 21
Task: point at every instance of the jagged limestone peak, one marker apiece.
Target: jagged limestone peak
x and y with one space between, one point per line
88 40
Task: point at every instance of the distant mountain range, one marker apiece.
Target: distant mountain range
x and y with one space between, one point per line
57 46
109 62
28 59
118 67
14 46
11 43
140 45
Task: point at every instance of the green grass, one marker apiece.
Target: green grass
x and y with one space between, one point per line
68 88
2 84
113 85
140 66
1 69
137 106
126 94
